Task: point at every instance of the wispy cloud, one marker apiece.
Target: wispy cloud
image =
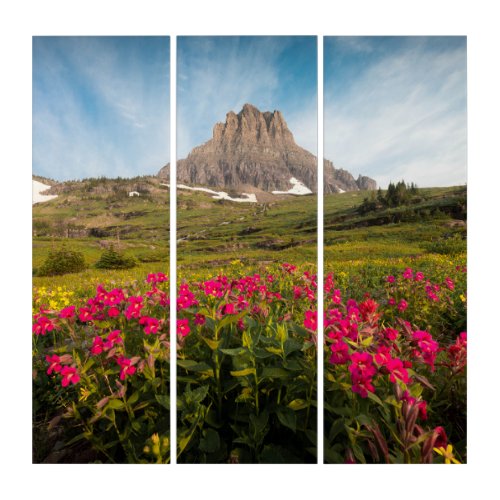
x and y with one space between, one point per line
400 115
217 75
100 106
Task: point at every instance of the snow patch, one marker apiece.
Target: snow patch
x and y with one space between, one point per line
220 195
37 197
340 191
299 188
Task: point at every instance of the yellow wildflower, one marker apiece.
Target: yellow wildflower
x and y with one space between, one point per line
447 454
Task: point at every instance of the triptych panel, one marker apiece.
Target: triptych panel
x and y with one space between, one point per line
262 373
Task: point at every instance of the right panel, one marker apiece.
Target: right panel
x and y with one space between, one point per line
395 142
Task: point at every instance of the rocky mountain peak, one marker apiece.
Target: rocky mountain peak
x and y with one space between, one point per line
257 149
253 127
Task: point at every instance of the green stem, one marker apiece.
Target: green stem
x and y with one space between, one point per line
309 397
217 378
256 387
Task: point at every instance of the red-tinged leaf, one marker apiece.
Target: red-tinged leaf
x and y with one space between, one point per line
102 402
111 353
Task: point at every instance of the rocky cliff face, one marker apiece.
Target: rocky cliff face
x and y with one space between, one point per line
366 183
255 149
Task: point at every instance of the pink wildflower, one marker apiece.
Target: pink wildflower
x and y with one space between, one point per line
361 384
311 320
42 326
151 325
54 363
126 367
391 333
362 365
69 375
85 314
67 312
408 273
97 346
199 319
397 371
113 312
183 327
134 309
340 353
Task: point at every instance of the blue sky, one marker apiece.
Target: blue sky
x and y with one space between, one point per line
100 106
396 108
218 74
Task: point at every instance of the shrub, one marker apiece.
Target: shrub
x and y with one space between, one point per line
62 261
111 259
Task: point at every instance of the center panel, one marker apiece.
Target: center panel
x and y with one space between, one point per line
246 249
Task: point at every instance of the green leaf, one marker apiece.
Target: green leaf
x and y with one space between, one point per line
333 457
299 330
416 390
364 420
262 353
274 372
234 352
343 412
194 366
81 436
282 333
271 454
230 319
258 423
199 394
164 400
274 350
358 453
293 365
336 428
298 404
287 417
246 339
367 342
244 397
375 398
210 442
87 365
243 373
292 345
392 401
133 399
115 404
213 344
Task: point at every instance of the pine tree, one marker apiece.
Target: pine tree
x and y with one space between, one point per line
111 259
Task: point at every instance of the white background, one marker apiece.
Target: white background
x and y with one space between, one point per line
21 21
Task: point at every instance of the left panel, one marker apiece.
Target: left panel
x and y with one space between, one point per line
100 250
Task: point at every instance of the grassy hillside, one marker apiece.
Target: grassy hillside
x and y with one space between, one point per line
434 223
92 214
215 232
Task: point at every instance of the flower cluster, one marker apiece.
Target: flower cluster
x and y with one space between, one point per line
94 321
375 349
